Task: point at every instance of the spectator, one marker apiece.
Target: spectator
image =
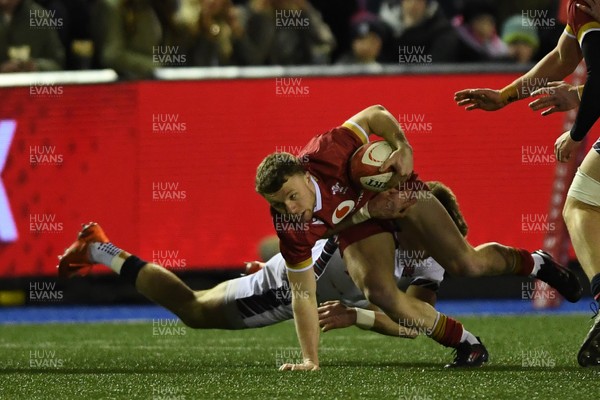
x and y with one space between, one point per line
337 14
74 33
450 8
520 35
420 26
476 28
367 38
28 38
134 37
286 32
218 34
508 8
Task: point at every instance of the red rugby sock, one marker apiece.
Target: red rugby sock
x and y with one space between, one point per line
523 262
447 331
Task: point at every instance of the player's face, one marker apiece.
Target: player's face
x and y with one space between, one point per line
296 197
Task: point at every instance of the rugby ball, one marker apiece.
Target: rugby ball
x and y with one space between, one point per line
365 164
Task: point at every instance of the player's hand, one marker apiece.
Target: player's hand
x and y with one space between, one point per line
483 99
401 161
335 315
565 147
592 8
556 96
391 204
307 365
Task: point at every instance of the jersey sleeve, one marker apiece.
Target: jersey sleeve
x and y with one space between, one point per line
295 242
327 155
588 112
579 23
298 256
357 130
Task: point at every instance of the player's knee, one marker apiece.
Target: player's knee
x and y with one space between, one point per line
407 312
192 316
380 294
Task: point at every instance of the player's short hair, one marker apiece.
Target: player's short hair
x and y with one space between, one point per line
275 170
448 200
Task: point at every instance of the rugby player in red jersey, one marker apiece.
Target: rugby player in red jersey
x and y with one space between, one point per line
264 298
314 188
581 39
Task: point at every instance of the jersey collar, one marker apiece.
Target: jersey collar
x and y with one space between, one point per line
318 203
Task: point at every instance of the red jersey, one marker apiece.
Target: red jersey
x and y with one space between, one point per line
578 22
326 157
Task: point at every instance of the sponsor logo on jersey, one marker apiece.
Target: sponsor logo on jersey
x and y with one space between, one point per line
342 210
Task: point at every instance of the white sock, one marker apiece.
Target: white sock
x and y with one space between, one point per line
537 263
469 337
108 254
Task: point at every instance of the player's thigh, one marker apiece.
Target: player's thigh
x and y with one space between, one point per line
591 165
429 222
583 218
370 262
583 200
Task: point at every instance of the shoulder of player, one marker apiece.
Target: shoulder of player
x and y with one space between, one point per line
357 130
579 22
349 130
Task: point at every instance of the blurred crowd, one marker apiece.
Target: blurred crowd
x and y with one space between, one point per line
134 37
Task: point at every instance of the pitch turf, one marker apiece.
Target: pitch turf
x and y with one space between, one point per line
531 357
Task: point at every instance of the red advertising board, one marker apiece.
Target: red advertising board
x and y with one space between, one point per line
168 168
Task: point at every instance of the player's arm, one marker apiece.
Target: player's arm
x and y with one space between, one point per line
385 205
589 111
560 96
555 66
376 120
304 304
336 315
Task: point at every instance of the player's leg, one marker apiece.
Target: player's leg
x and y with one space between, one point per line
422 293
582 217
256 300
425 277
431 225
370 262
252 301
200 309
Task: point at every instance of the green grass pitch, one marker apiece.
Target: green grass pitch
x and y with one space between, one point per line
531 357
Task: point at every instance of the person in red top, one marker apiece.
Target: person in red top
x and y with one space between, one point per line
581 39
312 195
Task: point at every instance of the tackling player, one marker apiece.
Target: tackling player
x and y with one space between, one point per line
319 192
581 39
